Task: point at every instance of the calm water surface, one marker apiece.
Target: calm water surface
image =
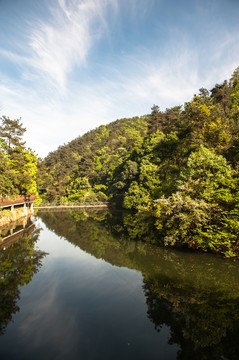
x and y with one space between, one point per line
81 287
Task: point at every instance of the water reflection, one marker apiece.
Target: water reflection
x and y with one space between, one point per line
20 226
196 295
19 261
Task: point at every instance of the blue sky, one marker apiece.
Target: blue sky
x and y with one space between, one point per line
68 66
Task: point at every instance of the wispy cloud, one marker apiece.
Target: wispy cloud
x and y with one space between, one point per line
64 42
174 74
167 81
58 44
116 84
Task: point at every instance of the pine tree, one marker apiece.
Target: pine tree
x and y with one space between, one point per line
12 131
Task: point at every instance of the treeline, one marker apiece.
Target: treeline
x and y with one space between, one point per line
18 165
180 165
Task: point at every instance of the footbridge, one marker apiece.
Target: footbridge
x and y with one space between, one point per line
25 201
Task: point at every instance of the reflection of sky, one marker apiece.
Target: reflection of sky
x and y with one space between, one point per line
82 308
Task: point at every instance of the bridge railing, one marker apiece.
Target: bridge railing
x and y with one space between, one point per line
20 199
71 204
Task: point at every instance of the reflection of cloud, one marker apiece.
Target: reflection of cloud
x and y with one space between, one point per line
48 310
76 304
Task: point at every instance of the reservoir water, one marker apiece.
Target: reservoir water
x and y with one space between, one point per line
90 285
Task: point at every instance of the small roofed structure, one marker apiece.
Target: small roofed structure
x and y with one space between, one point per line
21 200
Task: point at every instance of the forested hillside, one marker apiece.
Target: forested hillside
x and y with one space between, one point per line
181 165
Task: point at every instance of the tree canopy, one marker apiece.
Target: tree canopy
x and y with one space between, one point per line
18 165
12 131
180 165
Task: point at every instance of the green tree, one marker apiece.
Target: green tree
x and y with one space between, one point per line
221 95
235 101
24 164
12 131
7 175
203 213
78 189
136 197
209 125
235 77
155 122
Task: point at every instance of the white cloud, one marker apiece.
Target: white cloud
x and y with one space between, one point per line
126 85
64 43
57 45
54 119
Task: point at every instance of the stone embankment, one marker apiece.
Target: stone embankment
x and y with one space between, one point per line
8 217
15 208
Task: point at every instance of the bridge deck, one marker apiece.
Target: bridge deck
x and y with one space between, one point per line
20 200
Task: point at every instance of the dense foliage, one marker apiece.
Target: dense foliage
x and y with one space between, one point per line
18 165
182 165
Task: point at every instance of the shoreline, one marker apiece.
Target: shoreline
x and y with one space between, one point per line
8 217
69 206
85 205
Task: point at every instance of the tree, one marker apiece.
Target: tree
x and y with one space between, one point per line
18 166
78 189
7 175
12 131
235 102
136 197
221 94
24 164
155 119
203 93
235 77
203 213
209 125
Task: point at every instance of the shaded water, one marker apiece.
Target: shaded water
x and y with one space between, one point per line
81 287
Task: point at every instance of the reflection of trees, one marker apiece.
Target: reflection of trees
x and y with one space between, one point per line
205 324
196 295
18 263
19 224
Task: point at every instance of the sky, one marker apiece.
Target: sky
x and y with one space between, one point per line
69 66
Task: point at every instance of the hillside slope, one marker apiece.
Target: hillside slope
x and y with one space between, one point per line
182 165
